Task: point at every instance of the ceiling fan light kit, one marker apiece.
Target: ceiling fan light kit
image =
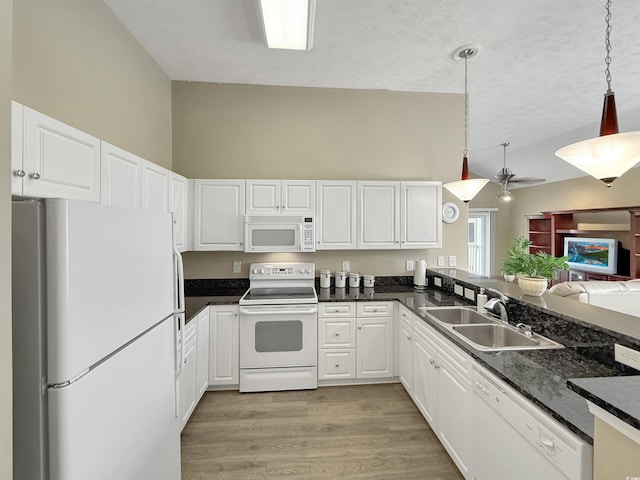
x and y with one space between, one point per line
506 176
610 155
466 188
287 24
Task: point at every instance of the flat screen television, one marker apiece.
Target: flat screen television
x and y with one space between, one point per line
592 254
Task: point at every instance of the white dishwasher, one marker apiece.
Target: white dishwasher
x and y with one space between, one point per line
513 439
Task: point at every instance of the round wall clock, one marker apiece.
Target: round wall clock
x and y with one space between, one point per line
450 212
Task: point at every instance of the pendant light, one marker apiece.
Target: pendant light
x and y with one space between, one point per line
466 188
611 154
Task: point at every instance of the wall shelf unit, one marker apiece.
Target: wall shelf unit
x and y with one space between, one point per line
548 230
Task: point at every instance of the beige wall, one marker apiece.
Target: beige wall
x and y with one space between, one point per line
615 456
579 193
236 131
5 242
74 61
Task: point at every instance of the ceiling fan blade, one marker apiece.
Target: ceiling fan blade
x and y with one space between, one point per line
528 180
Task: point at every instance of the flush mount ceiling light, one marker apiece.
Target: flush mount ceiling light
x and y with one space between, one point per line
466 188
611 154
288 24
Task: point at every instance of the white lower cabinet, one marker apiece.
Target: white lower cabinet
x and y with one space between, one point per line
405 349
202 368
224 345
187 387
355 340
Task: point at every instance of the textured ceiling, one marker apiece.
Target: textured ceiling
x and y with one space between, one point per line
537 82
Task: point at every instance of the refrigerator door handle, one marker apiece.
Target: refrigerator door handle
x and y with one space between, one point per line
179 299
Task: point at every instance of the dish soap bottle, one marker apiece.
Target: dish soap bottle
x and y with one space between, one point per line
481 299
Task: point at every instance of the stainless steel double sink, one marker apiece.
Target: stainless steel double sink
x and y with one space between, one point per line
485 333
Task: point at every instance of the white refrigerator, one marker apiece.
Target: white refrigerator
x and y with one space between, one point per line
96 300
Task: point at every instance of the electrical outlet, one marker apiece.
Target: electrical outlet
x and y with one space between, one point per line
628 356
458 290
237 266
452 260
437 281
409 265
440 260
470 294
346 266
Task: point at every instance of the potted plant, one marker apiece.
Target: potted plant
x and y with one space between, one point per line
534 270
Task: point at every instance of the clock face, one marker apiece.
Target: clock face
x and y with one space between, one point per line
450 212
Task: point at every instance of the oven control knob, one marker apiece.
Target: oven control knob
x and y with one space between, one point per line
261 271
254 271
301 270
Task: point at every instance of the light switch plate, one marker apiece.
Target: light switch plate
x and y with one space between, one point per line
458 290
237 267
346 266
470 294
437 281
628 356
440 260
452 260
409 265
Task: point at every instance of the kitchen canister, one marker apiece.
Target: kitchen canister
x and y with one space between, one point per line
341 280
354 280
325 278
368 281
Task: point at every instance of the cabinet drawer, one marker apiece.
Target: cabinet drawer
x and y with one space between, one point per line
405 316
336 364
347 309
375 309
338 333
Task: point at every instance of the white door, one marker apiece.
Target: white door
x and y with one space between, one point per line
155 187
224 345
405 356
202 366
188 388
59 160
118 421
298 197
375 347
219 214
178 206
421 219
263 197
336 215
121 177
424 378
379 215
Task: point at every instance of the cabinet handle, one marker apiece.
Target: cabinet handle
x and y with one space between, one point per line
437 366
337 334
432 361
34 175
360 327
19 173
408 337
337 365
548 443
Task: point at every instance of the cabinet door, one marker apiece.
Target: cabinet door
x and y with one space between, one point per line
379 215
335 215
263 197
155 187
338 363
298 197
405 356
454 416
202 369
178 206
17 147
120 178
421 215
218 215
424 378
375 347
224 345
187 384
59 160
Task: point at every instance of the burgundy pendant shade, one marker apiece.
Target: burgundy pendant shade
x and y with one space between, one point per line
609 122
465 168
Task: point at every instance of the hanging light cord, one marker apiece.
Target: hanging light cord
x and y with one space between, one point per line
607 43
465 152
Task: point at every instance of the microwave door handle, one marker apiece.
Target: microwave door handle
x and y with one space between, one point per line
179 301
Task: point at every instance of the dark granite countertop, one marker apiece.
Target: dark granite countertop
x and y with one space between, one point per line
617 395
539 375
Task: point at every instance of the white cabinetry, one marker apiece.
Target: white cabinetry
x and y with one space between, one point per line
289 197
421 215
179 207
52 159
155 187
120 178
202 364
224 345
218 214
336 341
336 223
187 387
405 348
378 215
374 339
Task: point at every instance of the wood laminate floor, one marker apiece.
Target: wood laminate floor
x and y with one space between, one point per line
352 432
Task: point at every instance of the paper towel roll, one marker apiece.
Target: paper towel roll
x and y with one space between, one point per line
420 274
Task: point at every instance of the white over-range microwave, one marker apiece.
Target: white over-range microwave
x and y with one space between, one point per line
279 233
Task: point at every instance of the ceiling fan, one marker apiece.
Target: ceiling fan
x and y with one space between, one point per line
505 177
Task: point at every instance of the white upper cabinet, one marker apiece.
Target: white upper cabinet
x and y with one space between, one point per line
378 215
52 159
155 187
336 215
421 215
273 197
121 177
179 207
218 215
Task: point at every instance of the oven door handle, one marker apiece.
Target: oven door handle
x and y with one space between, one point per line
279 310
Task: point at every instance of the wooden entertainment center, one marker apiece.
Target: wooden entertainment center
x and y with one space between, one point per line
548 230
